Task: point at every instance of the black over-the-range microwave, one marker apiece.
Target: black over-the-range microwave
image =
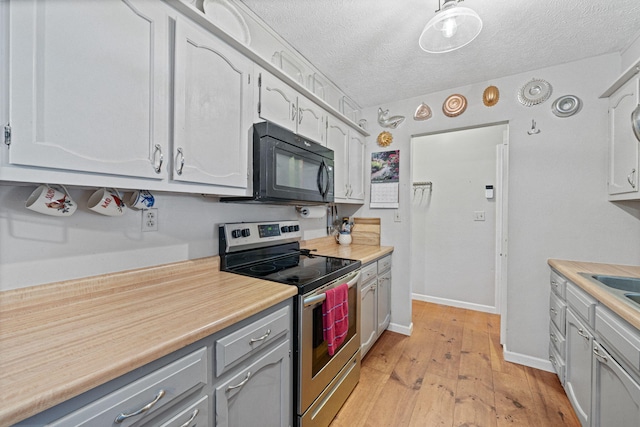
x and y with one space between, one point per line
288 169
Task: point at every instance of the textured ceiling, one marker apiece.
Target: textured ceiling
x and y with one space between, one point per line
369 48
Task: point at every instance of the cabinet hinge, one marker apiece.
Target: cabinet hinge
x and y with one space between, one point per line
249 79
7 134
259 80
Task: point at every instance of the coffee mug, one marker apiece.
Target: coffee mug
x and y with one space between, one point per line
51 201
141 199
107 201
344 238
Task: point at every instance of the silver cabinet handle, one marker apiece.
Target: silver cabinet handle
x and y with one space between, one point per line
294 111
602 358
190 420
553 360
241 383
583 335
158 159
630 178
120 418
262 338
553 311
180 155
553 337
299 115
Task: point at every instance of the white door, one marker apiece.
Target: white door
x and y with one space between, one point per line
278 102
356 166
213 99
311 120
623 150
89 84
338 141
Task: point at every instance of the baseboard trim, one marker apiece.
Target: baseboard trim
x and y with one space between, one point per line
532 362
455 303
401 329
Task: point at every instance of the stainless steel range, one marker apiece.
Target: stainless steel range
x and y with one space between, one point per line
271 251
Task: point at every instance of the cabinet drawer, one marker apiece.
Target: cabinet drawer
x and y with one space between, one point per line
558 284
557 339
384 264
195 415
557 312
581 303
623 338
369 272
557 362
168 382
235 346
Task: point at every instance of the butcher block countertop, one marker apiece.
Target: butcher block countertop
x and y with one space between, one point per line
62 339
329 247
624 309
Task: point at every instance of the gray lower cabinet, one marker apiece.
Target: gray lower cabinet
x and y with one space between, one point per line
375 309
579 343
252 385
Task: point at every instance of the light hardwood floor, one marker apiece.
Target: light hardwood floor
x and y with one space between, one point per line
451 372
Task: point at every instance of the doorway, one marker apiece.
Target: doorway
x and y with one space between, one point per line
458 246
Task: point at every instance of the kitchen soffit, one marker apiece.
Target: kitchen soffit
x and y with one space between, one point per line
370 48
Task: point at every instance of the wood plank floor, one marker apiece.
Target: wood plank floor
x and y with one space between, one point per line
451 372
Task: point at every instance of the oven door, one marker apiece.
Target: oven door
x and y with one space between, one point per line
316 368
290 173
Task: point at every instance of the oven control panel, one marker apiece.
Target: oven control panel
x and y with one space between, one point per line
247 235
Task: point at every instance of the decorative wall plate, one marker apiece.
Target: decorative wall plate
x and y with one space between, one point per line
491 96
566 106
227 17
535 92
454 105
385 139
423 112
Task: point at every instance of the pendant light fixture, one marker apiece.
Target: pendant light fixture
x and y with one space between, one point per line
452 28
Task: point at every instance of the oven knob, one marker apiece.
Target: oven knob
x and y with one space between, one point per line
236 233
246 232
296 228
284 228
291 228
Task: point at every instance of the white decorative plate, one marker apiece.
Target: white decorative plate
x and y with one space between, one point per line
454 105
566 106
535 92
423 112
227 17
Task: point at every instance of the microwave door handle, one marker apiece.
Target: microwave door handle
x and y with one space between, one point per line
319 179
326 190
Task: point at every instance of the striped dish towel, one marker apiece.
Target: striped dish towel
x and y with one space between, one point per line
335 317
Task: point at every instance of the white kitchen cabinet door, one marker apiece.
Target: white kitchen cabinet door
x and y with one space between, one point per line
278 102
356 166
338 141
623 145
616 395
368 322
311 120
213 98
384 302
89 83
579 342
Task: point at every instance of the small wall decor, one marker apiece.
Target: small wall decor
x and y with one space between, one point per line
423 112
490 96
534 92
388 122
534 130
566 106
454 105
385 139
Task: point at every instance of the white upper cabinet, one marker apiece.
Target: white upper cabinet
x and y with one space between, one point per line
281 104
623 144
348 149
212 109
89 86
356 166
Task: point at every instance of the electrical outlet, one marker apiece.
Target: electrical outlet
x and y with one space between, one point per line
396 216
478 216
150 219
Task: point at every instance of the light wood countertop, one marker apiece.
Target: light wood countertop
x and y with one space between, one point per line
623 308
62 339
365 253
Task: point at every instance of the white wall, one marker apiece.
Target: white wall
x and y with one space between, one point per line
452 254
558 204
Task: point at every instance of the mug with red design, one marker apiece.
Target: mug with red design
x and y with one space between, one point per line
51 200
107 201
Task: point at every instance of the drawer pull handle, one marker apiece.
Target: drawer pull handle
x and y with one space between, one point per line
190 420
553 311
602 358
553 337
241 383
582 334
552 360
262 338
120 418
630 179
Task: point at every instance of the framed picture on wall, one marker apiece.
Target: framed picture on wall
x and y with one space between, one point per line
385 179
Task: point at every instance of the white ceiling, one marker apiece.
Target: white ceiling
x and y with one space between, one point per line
369 48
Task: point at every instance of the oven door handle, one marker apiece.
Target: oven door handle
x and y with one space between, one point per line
316 299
